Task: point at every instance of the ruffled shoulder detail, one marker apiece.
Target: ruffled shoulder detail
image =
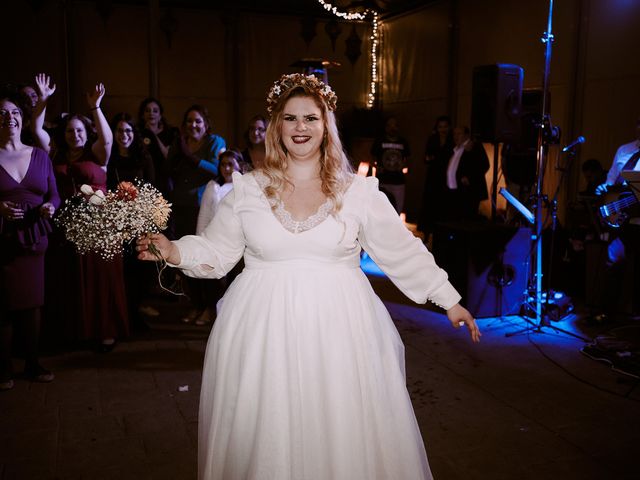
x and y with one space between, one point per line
240 184
371 184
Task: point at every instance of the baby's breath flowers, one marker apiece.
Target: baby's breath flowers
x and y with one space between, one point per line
97 222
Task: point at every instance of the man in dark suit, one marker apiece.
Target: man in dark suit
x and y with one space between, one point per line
466 186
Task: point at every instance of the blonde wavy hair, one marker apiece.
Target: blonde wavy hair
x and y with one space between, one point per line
335 170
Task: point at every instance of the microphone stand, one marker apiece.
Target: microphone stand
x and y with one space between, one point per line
546 134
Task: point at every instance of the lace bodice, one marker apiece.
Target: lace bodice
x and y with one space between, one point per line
284 216
297 226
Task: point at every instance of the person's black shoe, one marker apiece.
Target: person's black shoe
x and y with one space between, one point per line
107 347
39 374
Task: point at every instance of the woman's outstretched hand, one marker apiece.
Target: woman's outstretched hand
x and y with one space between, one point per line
153 245
94 98
45 89
459 316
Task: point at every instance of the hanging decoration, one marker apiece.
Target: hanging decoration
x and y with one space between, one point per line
333 29
375 40
354 44
308 29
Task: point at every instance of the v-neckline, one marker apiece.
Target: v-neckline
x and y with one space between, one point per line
292 225
284 217
26 173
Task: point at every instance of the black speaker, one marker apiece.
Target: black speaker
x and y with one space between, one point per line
496 99
488 264
519 155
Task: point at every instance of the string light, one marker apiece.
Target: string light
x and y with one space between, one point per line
371 98
347 16
375 40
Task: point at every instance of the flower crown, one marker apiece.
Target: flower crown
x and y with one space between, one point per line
308 82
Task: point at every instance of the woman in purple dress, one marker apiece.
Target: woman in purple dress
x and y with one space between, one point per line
99 305
28 199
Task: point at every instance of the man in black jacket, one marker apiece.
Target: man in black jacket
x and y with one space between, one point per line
466 186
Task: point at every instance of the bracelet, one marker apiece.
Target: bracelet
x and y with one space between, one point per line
94 108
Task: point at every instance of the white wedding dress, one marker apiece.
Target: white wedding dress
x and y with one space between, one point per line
304 371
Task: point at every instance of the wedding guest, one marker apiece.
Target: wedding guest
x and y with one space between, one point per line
130 161
193 160
27 99
157 136
214 194
391 153
28 200
437 153
94 297
465 183
253 155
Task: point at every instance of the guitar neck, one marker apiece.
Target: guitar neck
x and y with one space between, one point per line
622 204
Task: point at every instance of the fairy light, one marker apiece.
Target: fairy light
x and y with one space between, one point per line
375 40
347 16
371 98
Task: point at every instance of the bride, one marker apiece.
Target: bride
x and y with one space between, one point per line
304 371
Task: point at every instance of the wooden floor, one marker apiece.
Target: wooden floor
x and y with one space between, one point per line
521 407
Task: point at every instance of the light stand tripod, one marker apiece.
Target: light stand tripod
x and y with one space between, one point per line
547 134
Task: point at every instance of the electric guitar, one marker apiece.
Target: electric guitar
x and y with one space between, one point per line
617 207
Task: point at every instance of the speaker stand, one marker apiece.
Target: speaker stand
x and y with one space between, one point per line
494 186
536 327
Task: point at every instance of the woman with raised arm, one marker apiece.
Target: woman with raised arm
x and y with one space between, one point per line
28 199
41 137
304 370
95 301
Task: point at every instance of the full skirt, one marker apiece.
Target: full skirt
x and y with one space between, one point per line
304 379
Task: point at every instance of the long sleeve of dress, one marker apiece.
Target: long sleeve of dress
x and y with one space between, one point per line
403 257
221 244
207 206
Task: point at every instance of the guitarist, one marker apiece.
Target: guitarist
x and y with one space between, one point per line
625 246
